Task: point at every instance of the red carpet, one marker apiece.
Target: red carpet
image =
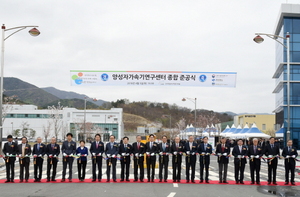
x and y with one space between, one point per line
145 181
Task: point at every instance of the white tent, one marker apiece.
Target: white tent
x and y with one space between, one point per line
280 132
225 131
255 132
233 134
228 133
241 134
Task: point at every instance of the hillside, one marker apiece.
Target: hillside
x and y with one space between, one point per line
27 92
61 94
73 103
131 121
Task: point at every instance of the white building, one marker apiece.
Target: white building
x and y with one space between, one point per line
70 120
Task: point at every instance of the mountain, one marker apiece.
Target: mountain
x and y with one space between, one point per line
27 92
61 94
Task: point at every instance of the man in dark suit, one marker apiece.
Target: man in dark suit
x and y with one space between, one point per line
255 152
164 150
205 150
68 150
97 149
39 150
262 143
52 151
272 152
111 151
240 153
289 153
24 150
151 150
223 150
125 150
190 159
10 151
138 150
177 149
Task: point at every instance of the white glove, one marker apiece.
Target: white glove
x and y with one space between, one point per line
193 153
85 155
71 155
34 155
99 154
54 156
7 154
203 153
251 156
136 154
108 155
79 154
207 153
287 156
64 154
141 155
147 153
187 152
257 156
113 156
224 154
94 154
294 156
123 154
20 155
40 155
243 156
270 156
175 153
239 156
152 154
50 155
161 153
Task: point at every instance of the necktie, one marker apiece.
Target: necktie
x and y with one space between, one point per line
289 149
150 145
138 146
97 144
254 149
52 146
111 145
223 147
125 145
191 146
272 146
240 149
205 146
38 147
23 150
176 146
164 146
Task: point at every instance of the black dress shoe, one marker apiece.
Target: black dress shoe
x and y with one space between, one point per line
48 180
94 180
220 182
35 180
174 181
201 181
53 179
236 182
115 180
293 183
242 182
7 181
252 183
187 181
122 180
160 180
21 181
206 181
152 180
275 183
142 180
286 183
269 183
225 182
70 180
63 180
178 181
26 180
135 180
258 183
99 180
107 180
148 180
12 181
165 180
193 181
127 180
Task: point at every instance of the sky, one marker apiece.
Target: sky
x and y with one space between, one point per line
148 35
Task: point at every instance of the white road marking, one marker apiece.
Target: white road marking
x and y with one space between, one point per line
172 194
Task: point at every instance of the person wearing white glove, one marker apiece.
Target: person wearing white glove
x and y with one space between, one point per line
205 149
239 151
290 153
97 148
39 149
164 149
177 147
10 148
82 152
112 148
24 162
69 148
270 150
255 151
125 150
190 160
152 148
222 160
52 149
138 148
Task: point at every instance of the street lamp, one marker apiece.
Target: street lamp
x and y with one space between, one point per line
33 32
258 39
194 100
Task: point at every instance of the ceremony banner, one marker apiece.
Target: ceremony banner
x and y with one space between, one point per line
152 78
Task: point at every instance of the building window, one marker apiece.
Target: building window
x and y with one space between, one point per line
263 127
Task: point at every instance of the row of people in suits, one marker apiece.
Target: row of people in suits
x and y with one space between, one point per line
151 148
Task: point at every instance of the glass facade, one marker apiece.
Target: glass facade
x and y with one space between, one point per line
104 127
291 25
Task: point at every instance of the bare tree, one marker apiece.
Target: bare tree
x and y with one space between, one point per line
79 126
64 131
8 101
55 113
47 130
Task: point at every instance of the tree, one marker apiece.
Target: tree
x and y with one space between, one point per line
24 125
47 130
55 113
16 133
32 133
64 131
